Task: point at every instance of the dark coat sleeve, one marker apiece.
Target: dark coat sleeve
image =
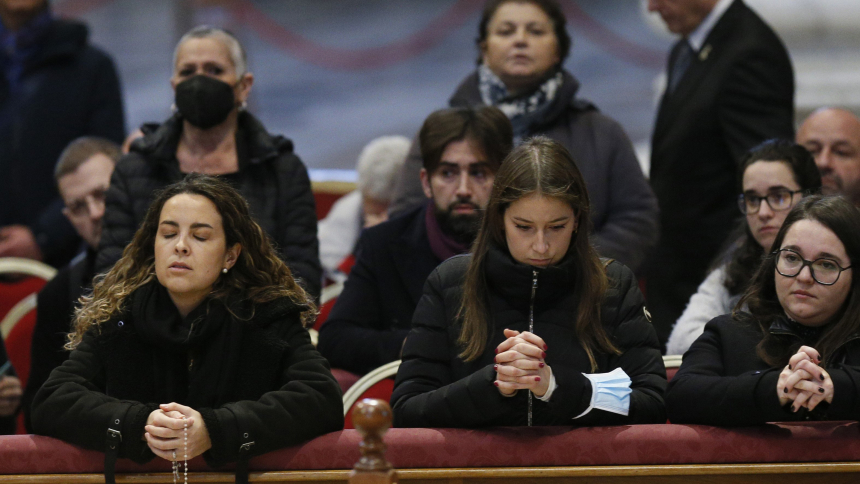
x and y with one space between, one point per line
629 227
297 228
357 335
54 311
702 392
73 407
118 223
630 331
307 404
426 393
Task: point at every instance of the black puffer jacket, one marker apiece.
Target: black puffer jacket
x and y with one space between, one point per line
436 388
283 391
271 177
723 382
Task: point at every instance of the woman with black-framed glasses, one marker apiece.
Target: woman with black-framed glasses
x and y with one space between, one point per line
772 177
795 355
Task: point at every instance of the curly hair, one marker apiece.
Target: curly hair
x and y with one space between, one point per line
258 275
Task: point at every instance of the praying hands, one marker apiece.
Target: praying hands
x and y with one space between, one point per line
520 364
803 383
175 432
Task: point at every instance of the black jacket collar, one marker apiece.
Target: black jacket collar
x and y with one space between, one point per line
513 280
160 141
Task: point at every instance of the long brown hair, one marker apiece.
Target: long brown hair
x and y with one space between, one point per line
841 217
538 166
258 275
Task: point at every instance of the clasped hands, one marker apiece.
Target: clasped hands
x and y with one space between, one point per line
804 383
520 364
165 432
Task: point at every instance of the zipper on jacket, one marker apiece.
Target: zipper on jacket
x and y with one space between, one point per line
532 328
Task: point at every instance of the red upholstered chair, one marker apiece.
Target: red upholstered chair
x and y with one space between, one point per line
379 383
18 307
327 192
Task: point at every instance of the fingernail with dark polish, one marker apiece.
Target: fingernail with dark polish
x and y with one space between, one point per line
497 351
537 378
541 365
785 390
496 383
820 390
543 354
545 346
495 367
821 376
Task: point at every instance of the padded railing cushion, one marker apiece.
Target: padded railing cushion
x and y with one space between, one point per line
500 447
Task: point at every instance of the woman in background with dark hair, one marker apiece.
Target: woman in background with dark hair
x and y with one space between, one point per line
796 354
773 177
201 315
522 46
533 328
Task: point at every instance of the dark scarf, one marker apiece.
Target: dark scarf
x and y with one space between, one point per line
524 110
442 246
208 339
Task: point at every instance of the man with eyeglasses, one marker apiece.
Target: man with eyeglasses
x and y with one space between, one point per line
832 135
83 175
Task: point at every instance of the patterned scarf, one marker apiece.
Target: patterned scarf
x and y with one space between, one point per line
524 110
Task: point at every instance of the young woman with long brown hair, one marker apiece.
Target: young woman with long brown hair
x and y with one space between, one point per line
201 316
532 328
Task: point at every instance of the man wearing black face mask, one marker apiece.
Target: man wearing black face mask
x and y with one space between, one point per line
212 133
462 149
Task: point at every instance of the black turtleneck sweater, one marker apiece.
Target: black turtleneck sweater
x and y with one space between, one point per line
436 388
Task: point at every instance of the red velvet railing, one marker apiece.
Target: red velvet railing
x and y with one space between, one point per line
500 447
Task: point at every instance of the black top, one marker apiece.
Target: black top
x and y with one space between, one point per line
723 382
373 314
436 388
254 380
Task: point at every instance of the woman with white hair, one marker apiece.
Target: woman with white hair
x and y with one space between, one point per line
212 133
378 164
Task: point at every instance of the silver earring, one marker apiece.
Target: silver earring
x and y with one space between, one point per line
224 270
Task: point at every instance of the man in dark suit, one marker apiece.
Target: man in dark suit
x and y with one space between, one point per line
730 86
462 148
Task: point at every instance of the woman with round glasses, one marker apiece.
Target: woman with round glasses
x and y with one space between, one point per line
796 354
773 177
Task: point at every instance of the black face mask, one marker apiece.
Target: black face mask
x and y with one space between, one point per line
204 101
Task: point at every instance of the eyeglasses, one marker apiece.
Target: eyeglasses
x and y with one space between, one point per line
81 206
777 200
825 271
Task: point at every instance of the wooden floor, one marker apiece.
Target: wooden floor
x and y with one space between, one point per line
828 473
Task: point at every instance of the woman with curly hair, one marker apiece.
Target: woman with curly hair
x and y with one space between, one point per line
202 316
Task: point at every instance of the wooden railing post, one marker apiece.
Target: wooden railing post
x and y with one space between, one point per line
372 418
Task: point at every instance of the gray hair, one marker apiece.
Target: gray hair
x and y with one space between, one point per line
237 53
378 165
